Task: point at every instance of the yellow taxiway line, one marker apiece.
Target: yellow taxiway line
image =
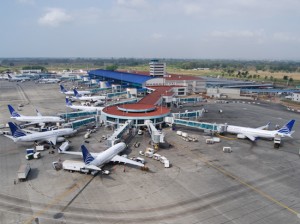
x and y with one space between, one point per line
265 195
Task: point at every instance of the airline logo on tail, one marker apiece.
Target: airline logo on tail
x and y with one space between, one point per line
87 157
62 89
68 103
15 130
287 128
76 93
13 112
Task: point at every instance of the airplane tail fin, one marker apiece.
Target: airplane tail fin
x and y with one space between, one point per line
76 93
87 157
12 111
68 102
9 76
287 128
15 130
62 89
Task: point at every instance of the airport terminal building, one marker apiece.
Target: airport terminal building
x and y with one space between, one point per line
153 106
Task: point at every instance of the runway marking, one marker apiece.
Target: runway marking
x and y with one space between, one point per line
51 203
265 195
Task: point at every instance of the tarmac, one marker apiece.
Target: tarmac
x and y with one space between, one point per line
254 184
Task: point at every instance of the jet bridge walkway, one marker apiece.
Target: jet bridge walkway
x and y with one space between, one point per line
79 123
206 127
119 132
177 119
78 114
100 90
156 136
189 114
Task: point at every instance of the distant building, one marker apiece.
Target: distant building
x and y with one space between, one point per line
189 84
25 71
296 96
157 69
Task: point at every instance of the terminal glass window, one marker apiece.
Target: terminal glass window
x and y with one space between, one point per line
141 121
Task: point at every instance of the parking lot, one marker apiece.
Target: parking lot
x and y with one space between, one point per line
254 184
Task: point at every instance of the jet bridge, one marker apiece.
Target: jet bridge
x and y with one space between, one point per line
119 133
206 127
156 136
79 123
118 94
189 114
78 114
100 90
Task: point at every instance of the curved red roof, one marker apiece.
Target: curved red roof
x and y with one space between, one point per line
114 110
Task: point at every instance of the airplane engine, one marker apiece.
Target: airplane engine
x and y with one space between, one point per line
241 136
60 139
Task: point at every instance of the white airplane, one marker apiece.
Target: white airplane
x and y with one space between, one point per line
17 79
95 161
34 119
88 98
83 92
48 80
53 136
254 133
83 108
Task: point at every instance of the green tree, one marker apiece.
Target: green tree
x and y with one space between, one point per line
111 67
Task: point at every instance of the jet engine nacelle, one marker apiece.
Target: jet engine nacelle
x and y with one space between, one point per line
241 136
60 139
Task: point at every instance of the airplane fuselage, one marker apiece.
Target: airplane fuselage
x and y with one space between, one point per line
253 132
86 108
45 135
108 154
91 98
39 119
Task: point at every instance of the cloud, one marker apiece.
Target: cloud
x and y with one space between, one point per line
285 37
238 34
157 36
192 8
54 17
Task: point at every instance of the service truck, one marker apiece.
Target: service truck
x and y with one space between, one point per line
277 141
74 165
23 171
79 166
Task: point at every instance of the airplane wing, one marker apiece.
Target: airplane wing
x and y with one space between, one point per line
265 127
92 167
77 153
122 159
251 137
52 140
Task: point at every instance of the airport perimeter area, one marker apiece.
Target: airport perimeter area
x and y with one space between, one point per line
254 184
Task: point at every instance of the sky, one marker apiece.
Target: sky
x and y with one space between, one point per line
200 29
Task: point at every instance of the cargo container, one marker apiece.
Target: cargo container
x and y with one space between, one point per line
73 165
39 148
29 151
179 133
227 149
23 171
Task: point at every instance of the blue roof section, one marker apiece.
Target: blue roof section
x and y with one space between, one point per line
126 77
